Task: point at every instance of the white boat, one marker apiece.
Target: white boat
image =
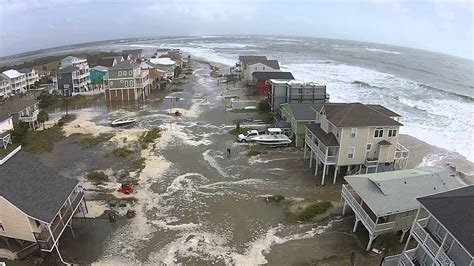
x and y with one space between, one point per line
272 137
123 121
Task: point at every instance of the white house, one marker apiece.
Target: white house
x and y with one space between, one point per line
17 81
5 87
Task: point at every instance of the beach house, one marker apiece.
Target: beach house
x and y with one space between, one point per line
24 109
31 77
97 76
446 235
260 80
354 138
296 116
126 81
133 55
165 64
386 202
6 125
17 81
294 91
73 76
155 74
5 87
110 61
250 64
36 204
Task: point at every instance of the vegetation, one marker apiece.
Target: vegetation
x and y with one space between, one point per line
238 130
122 152
130 200
264 106
149 137
388 243
46 99
139 165
43 117
314 209
276 197
253 152
244 110
177 71
89 140
97 177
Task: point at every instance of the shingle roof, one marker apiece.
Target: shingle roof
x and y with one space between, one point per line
4 117
396 191
356 115
383 110
454 209
247 58
127 64
328 139
108 61
302 111
384 143
16 105
273 75
34 188
270 63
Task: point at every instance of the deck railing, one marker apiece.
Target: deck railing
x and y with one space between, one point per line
401 151
320 150
431 245
362 214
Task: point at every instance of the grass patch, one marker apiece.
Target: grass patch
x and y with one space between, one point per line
149 137
97 177
40 141
253 152
244 111
240 130
314 209
8 150
139 165
89 140
277 197
122 152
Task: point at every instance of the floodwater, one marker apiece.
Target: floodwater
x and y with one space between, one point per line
198 205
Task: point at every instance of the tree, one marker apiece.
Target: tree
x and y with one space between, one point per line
43 117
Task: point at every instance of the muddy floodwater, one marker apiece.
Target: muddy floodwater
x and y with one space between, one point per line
197 204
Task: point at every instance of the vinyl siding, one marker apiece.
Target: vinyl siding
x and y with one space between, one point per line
15 223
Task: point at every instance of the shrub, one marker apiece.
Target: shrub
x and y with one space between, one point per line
149 137
277 197
97 177
139 164
387 242
314 209
264 106
253 152
89 140
122 152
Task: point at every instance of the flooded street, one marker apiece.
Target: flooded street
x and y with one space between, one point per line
196 204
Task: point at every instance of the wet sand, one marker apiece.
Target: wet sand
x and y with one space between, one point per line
196 205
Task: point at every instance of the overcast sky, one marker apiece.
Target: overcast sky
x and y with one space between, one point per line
442 26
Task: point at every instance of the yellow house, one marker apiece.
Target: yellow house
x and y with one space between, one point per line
36 203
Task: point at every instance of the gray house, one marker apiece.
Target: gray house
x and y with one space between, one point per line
294 91
446 235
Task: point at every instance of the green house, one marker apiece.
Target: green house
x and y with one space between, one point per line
297 115
97 74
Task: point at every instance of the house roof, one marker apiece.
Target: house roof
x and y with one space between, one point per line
162 61
383 110
17 105
247 58
127 64
384 143
356 115
70 57
67 69
328 139
108 61
34 188
3 76
4 117
12 73
302 111
270 63
454 210
273 75
396 191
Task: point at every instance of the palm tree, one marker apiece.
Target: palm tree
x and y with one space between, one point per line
43 117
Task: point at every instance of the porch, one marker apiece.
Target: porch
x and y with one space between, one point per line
435 248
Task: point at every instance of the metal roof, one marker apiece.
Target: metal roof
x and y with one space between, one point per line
396 191
34 188
454 210
12 73
302 111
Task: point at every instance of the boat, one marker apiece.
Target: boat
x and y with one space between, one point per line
272 137
123 121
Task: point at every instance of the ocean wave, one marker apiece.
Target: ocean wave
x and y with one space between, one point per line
365 84
381 50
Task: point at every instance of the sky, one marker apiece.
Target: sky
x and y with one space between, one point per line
438 25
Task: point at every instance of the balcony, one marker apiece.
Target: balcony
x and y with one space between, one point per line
349 195
407 258
328 155
51 235
401 151
428 243
30 118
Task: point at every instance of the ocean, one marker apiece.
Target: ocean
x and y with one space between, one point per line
433 92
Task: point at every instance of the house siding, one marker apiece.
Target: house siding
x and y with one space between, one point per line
15 223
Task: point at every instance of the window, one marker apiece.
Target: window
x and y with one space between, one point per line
392 132
378 133
353 132
111 83
350 152
120 73
369 146
131 83
130 72
126 83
